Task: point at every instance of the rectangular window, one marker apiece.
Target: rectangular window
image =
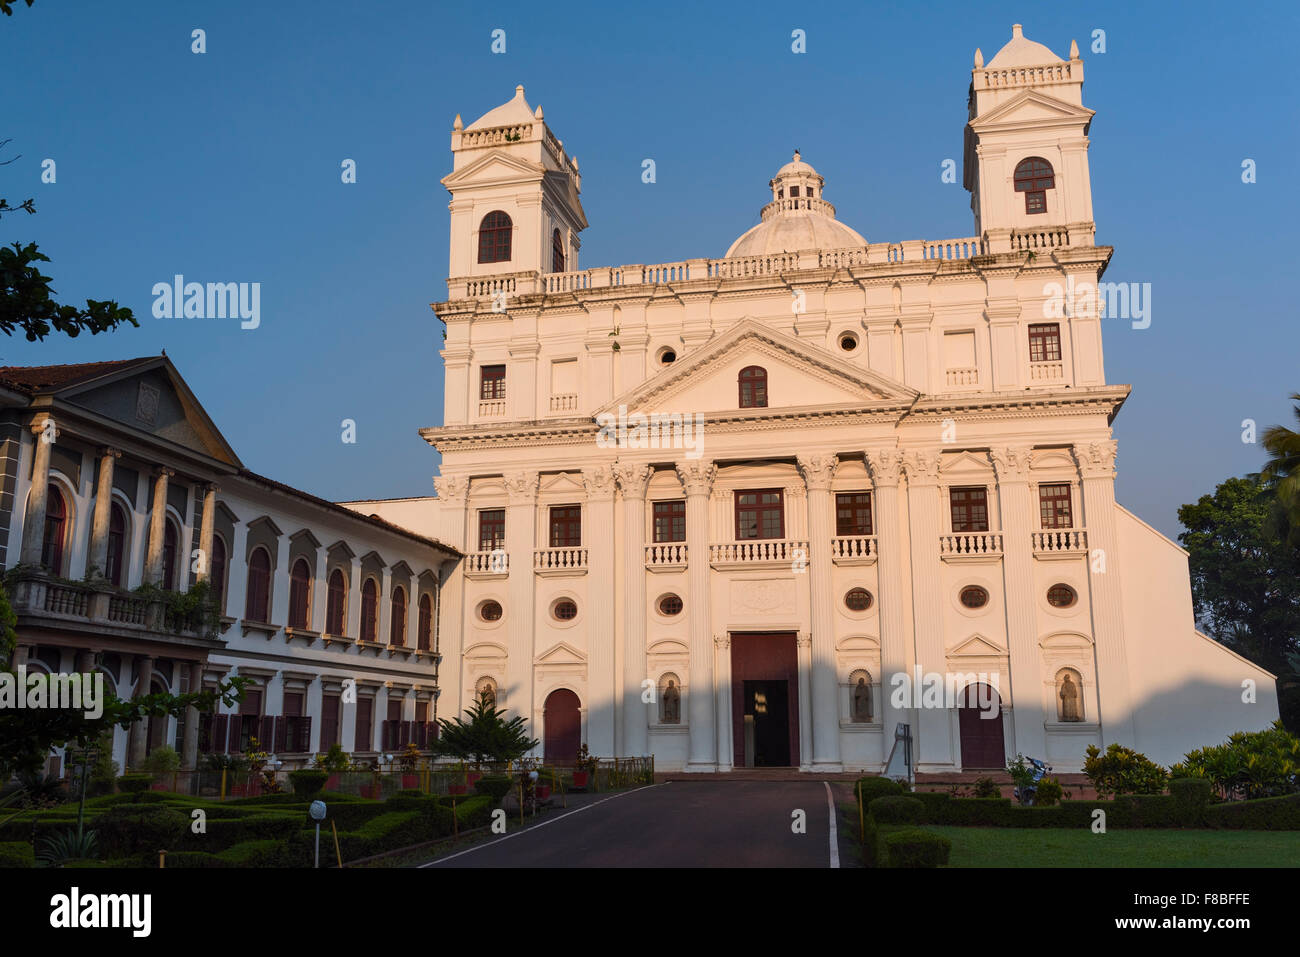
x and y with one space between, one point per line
364 739
491 529
1054 505
794 192
492 384
970 509
760 514
670 521
566 526
329 721
1045 342
853 513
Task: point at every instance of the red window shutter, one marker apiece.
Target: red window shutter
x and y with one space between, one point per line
281 734
236 722
266 734
304 734
217 740
406 734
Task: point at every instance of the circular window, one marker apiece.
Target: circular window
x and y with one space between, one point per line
858 599
667 357
565 610
972 596
848 342
490 611
670 605
1061 596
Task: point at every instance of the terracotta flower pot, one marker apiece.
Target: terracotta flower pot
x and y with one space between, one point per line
580 779
472 776
456 790
410 781
543 792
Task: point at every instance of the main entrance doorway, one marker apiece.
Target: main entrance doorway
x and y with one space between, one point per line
562 719
765 700
982 746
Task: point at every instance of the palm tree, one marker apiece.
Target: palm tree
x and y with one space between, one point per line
1283 469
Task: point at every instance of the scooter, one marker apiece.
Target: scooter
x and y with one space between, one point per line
1025 795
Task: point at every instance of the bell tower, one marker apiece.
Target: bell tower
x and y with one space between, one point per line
514 195
1026 147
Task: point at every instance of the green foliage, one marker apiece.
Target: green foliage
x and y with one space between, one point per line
409 757
1191 796
896 809
987 788
868 789
194 610
915 847
494 786
1283 470
41 791
226 762
67 845
1250 764
17 854
1266 814
7 8
161 760
1122 770
307 782
134 783
27 301
586 761
486 735
1048 793
334 760
130 829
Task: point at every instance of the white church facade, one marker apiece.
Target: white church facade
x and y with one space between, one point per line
726 510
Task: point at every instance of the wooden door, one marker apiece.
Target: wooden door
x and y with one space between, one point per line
982 746
562 719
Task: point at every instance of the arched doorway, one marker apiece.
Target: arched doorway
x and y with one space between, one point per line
982 746
562 719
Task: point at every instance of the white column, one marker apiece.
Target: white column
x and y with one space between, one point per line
320 596
157 526
354 599
385 608
633 478
450 620
598 535
818 471
207 530
804 650
521 522
722 662
885 465
103 506
280 582
1097 468
34 525
1024 691
237 574
697 479
932 727
413 614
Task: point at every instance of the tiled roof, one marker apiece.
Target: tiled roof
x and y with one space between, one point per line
34 379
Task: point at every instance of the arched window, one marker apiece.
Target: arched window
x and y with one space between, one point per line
425 637
219 572
397 626
1034 178
170 538
557 252
115 560
258 606
494 237
753 387
300 595
1069 695
370 611
56 528
336 606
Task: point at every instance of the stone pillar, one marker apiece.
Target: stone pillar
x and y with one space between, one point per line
818 472
450 621
139 743
413 615
726 741
886 465
633 479
804 651
602 701
207 527
279 604
1024 691
157 526
190 747
354 598
320 594
237 573
697 479
103 511
932 727
1097 469
521 523
45 435
385 608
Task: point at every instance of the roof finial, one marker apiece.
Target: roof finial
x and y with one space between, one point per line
1074 49
457 124
537 113
979 59
796 154
519 91
1016 33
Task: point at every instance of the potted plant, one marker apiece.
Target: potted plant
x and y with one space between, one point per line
584 767
407 761
334 761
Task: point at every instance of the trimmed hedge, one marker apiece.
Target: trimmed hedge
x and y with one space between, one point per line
307 783
494 786
130 829
915 847
1262 814
869 788
1191 797
17 854
896 809
134 783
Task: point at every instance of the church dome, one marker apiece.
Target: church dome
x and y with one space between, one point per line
797 218
1022 52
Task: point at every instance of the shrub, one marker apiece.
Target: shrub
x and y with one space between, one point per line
914 847
17 854
1250 764
222 834
1121 770
194 859
134 783
1048 793
333 760
494 786
161 760
896 809
129 829
307 783
68 845
987 788
1145 810
1264 814
936 804
1191 796
870 788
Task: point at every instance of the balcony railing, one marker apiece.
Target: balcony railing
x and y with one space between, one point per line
1060 541
963 377
1046 371
560 561
487 563
758 552
491 408
854 549
95 605
666 555
958 545
564 402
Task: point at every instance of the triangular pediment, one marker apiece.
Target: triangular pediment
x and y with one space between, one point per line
799 376
976 646
492 168
1033 107
966 464
153 399
561 653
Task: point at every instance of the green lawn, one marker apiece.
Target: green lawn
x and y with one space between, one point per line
1043 847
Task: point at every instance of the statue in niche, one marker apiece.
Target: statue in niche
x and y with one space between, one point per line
862 700
487 692
1069 700
672 703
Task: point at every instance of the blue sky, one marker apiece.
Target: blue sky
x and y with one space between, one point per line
225 167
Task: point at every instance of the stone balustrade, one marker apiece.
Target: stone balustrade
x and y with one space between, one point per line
1060 540
854 549
758 551
666 554
560 560
970 545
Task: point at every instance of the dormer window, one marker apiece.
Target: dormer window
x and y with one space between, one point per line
494 237
557 252
753 387
1034 177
